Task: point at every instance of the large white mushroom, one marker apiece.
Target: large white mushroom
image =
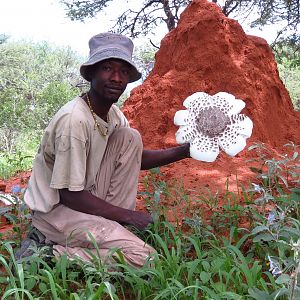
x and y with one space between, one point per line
211 122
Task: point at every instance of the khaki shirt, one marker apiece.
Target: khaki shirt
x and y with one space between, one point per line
70 153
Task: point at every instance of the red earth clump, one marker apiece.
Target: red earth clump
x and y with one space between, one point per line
211 53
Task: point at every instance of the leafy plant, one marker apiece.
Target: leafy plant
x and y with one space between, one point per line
277 171
193 260
12 163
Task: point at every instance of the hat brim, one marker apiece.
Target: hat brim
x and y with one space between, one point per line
110 53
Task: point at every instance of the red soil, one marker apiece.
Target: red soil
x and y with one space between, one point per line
211 53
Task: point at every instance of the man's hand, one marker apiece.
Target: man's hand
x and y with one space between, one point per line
139 219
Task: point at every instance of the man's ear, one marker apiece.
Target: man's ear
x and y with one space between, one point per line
90 72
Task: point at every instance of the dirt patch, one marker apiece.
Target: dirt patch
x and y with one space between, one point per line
20 179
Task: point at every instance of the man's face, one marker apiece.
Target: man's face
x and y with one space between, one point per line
110 78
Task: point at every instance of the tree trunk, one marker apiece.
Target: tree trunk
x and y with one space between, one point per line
170 20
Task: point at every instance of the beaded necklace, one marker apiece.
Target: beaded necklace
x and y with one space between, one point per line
100 128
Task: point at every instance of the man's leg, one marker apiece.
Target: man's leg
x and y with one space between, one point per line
117 179
74 231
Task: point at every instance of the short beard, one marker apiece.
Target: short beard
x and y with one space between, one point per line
106 99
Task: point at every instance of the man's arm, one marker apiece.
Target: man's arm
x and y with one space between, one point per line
85 202
157 158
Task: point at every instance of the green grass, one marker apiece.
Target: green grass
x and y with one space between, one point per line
200 259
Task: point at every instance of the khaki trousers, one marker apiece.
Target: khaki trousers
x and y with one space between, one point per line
116 183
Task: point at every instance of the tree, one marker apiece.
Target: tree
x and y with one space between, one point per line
154 12
288 58
291 78
133 21
35 80
285 13
144 56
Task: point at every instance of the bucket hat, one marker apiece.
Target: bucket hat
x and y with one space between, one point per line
110 45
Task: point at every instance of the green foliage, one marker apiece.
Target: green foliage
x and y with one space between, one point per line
17 214
277 172
52 97
193 260
144 57
185 267
277 237
35 80
287 52
13 163
122 99
288 58
290 76
26 146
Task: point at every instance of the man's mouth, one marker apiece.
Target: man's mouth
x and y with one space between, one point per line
114 89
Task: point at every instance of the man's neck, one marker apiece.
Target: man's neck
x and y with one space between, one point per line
99 106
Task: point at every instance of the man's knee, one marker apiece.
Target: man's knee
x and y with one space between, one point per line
127 135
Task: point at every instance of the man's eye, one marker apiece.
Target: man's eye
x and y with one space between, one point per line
125 71
106 68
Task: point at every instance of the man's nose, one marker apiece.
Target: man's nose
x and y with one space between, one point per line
116 76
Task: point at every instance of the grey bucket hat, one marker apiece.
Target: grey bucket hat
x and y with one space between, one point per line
110 45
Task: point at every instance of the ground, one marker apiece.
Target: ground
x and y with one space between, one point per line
224 174
191 188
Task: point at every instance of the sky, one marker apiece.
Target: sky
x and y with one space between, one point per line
39 20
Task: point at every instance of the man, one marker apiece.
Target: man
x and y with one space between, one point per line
85 173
